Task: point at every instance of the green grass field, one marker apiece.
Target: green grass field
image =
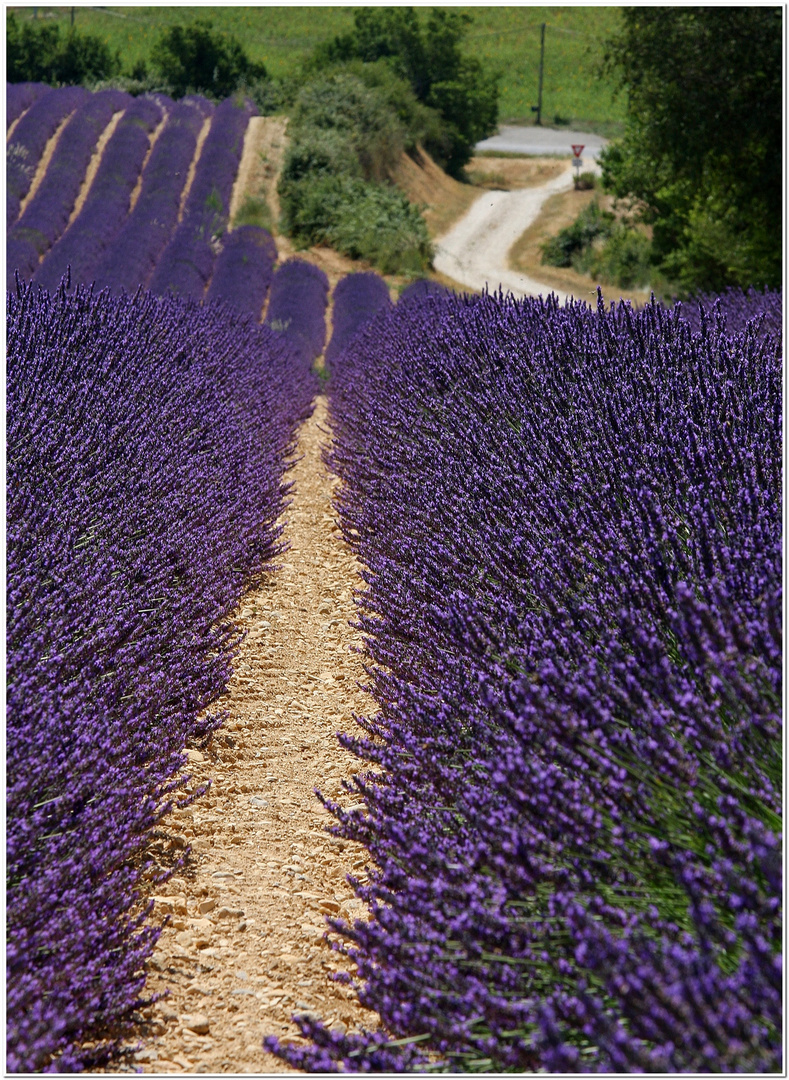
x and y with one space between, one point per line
506 38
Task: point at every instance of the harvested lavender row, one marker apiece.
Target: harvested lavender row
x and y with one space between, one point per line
187 262
132 257
107 204
244 269
357 297
31 135
297 306
147 440
19 97
571 524
47 214
739 308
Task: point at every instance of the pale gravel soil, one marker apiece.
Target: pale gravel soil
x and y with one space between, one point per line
151 143
245 948
43 165
93 165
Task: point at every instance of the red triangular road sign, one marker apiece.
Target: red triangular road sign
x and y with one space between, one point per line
577 150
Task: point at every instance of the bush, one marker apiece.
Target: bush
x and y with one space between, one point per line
362 220
346 138
197 59
342 103
426 53
37 53
590 224
597 244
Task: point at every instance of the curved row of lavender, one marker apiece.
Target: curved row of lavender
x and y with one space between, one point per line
19 97
147 439
130 260
48 212
356 298
297 306
31 135
106 207
187 262
571 524
244 270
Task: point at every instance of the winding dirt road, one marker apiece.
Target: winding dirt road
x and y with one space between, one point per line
474 251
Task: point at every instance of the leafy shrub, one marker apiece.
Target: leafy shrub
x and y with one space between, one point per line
590 224
362 220
342 103
35 52
345 140
624 259
197 59
596 243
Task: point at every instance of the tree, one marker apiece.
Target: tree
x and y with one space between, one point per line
427 54
196 59
702 146
37 53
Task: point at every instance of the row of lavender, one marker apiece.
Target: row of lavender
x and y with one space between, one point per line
157 243
147 439
571 523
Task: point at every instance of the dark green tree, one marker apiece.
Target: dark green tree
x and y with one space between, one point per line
702 147
427 53
36 52
198 59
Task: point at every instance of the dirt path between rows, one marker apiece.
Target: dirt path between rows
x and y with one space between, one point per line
245 948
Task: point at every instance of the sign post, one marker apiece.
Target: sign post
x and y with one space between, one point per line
577 159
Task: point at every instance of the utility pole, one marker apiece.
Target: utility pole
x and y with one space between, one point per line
540 91
72 16
539 107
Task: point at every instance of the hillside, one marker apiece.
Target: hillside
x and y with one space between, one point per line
506 38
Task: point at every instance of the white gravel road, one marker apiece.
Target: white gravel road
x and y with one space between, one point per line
474 252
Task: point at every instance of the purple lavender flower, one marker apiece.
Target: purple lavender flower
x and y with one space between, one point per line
147 440
187 262
131 259
570 523
297 306
20 96
31 135
107 205
356 299
244 269
47 214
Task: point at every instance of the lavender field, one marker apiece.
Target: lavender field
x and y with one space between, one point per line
571 526
568 520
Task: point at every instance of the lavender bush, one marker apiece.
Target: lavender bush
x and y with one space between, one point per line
297 306
187 262
244 269
19 97
571 524
47 214
31 135
422 287
132 257
739 307
146 449
107 205
356 299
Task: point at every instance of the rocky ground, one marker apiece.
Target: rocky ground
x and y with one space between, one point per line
246 945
